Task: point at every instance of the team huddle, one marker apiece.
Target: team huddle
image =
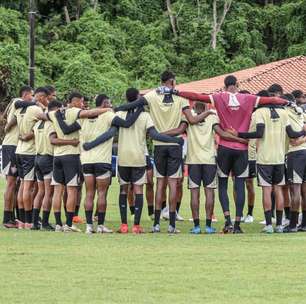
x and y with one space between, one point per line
51 150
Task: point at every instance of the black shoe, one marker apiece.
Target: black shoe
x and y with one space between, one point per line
228 228
287 229
47 227
237 230
301 228
35 227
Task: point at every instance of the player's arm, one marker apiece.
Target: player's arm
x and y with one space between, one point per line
271 100
26 137
140 102
93 112
295 134
100 139
177 131
152 132
24 104
227 135
297 141
258 133
193 96
195 119
66 129
129 121
10 124
62 142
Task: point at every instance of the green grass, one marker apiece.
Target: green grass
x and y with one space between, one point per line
43 267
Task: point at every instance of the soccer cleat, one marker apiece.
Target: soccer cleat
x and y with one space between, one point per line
104 229
237 230
179 217
228 228
287 229
89 229
279 229
77 220
249 219
285 222
268 229
47 227
165 213
137 229
28 226
10 224
58 228
301 228
173 230
156 229
35 227
210 230
242 219
196 230
20 224
124 228
73 228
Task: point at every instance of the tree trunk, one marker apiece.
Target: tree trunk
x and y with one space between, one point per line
66 13
172 18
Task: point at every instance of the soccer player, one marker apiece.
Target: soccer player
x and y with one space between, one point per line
165 111
66 164
234 111
272 124
202 168
300 98
9 162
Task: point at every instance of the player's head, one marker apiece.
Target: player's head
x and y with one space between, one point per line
52 92
299 96
231 83
41 94
132 94
276 90
244 92
263 93
26 93
199 107
75 99
167 79
54 105
103 101
289 97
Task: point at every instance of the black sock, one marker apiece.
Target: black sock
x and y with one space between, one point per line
287 212
69 217
132 210
268 217
6 216
228 220
208 222
123 207
35 216
12 216
58 220
77 208
150 209
45 218
172 218
21 215
279 217
138 208
88 214
250 210
293 219
101 218
28 216
156 217
237 225
196 222
303 224
178 206
164 205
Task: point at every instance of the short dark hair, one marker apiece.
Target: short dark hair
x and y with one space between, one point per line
100 98
297 93
41 90
73 95
275 88
131 94
244 92
24 89
167 75
230 80
263 93
54 104
50 88
288 97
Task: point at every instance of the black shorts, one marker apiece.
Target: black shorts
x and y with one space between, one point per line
296 167
168 161
134 175
66 170
232 161
43 167
252 169
99 170
149 164
9 161
270 175
198 174
26 166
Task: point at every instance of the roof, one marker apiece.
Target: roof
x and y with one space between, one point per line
289 73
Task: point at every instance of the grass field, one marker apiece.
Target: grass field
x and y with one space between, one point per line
43 267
